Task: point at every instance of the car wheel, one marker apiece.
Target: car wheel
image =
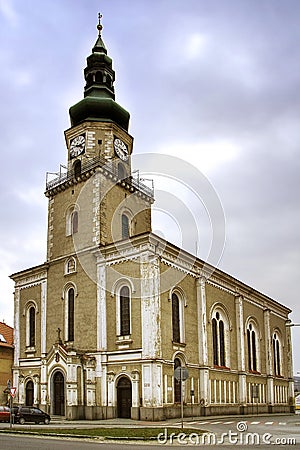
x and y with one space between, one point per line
22 421
46 421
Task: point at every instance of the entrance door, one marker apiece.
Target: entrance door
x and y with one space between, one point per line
29 393
124 397
58 394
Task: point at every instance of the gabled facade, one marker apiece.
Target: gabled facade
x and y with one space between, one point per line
103 323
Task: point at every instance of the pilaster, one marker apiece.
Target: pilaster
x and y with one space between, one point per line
151 311
268 343
202 321
240 333
101 305
43 317
17 328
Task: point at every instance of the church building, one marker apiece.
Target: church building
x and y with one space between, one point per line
103 325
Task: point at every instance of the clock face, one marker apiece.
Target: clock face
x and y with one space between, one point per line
121 149
77 145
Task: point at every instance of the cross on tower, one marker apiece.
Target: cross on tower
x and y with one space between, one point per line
99 26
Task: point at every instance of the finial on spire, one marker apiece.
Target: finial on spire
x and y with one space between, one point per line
99 26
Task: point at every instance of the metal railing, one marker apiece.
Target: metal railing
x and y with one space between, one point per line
107 166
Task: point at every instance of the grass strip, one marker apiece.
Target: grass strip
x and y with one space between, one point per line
114 433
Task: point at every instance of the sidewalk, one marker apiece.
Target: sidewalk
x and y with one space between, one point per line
124 423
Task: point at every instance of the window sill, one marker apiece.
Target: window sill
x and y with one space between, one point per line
178 345
254 372
70 273
123 342
30 351
124 339
221 367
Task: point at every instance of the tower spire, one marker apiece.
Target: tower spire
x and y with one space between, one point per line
99 46
99 93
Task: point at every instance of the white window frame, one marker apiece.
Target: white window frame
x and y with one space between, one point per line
28 305
223 315
118 309
69 216
251 321
65 297
182 304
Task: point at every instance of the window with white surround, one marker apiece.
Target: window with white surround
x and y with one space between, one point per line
178 303
72 220
220 337
69 296
30 312
277 354
71 308
126 223
253 348
70 265
125 226
123 310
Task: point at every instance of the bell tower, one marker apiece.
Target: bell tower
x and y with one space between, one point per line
99 125
117 205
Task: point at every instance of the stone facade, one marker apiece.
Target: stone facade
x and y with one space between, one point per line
103 323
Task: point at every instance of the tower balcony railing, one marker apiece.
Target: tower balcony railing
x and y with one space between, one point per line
64 176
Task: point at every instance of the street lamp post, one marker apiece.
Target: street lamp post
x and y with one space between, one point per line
289 324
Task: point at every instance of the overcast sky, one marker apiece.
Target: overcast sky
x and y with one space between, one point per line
215 82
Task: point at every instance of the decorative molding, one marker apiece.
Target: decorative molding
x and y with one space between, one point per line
31 280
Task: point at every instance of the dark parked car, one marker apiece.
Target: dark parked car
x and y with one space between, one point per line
24 414
4 414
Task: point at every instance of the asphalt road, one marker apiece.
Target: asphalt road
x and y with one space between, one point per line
232 432
30 443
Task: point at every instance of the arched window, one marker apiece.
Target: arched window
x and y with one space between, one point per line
177 297
77 168
220 338
72 220
99 77
175 318
124 311
252 347
121 171
70 265
70 300
108 81
125 226
177 383
32 326
276 347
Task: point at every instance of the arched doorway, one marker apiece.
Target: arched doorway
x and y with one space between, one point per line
58 394
124 397
29 393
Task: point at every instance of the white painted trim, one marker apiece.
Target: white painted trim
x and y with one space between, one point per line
43 316
150 305
118 307
101 307
202 320
17 327
239 310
